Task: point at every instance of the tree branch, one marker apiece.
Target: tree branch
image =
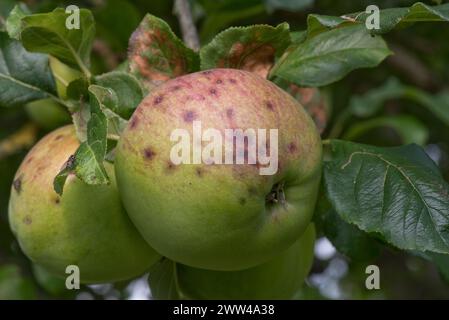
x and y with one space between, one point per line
188 28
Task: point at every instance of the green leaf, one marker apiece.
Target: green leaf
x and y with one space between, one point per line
24 76
47 33
317 23
298 37
162 280
348 239
251 48
156 55
13 23
127 89
389 18
330 56
408 127
371 102
109 102
396 192
289 5
87 163
14 285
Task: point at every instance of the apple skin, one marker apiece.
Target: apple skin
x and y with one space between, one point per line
86 226
279 278
48 114
216 216
63 75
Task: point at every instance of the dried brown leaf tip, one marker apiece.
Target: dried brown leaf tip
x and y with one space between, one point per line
156 55
253 48
260 60
315 104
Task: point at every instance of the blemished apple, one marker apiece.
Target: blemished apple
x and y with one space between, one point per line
63 75
279 278
211 215
86 226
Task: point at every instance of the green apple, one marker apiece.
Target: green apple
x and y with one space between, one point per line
213 215
86 226
278 278
47 113
63 75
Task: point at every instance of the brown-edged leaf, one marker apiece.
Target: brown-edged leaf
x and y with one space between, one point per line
156 55
252 48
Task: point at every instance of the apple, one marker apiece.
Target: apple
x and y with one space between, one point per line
278 278
86 226
190 205
63 75
47 113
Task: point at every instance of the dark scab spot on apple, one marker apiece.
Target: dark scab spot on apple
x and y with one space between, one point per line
252 191
242 201
29 160
230 113
158 100
17 184
207 72
27 220
57 200
213 91
134 122
199 172
170 166
59 137
218 81
270 105
233 81
189 116
292 147
148 154
175 88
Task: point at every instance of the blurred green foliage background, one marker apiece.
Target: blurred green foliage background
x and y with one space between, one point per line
420 68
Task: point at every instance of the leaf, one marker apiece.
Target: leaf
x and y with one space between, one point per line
389 18
87 162
127 89
251 48
298 37
396 192
407 127
109 101
13 23
156 55
47 33
348 239
162 280
289 5
24 76
330 56
317 23
368 104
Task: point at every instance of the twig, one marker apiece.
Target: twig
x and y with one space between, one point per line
188 28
